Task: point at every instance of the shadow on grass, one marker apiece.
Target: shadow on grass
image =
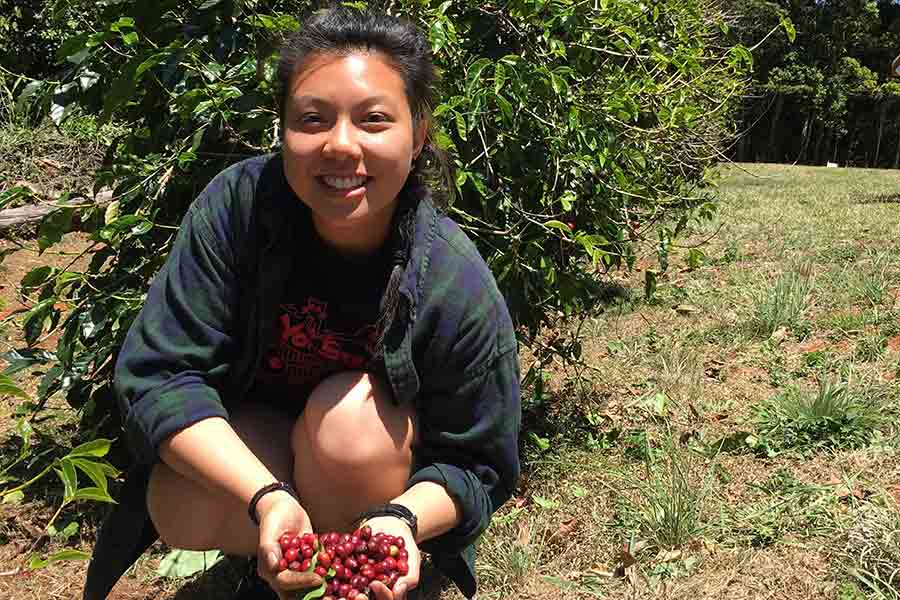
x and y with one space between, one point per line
880 199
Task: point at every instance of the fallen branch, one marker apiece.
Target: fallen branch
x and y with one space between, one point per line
34 213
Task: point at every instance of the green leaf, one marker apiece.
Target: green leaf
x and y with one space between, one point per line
184 563
461 127
474 74
37 562
499 77
69 478
541 442
93 493
544 502
50 382
94 471
37 277
789 28
209 4
53 227
15 498
98 447
8 388
505 108
316 592
35 320
12 194
554 224
66 555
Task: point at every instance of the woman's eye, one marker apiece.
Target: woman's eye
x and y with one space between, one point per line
311 118
376 118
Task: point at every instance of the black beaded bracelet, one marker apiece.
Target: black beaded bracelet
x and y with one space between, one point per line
392 510
272 487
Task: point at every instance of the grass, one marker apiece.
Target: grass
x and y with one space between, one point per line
829 417
792 356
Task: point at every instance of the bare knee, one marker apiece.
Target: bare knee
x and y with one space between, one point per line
350 421
168 494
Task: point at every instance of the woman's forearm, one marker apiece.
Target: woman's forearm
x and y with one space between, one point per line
436 511
211 453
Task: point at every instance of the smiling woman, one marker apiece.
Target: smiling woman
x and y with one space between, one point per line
323 348
350 140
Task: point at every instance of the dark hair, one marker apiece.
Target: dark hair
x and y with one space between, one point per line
342 30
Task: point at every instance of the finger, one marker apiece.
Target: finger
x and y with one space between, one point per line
381 591
292 580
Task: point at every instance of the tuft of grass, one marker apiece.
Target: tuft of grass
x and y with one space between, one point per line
783 304
831 417
667 510
872 551
872 286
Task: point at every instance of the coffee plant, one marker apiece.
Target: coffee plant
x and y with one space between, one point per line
577 130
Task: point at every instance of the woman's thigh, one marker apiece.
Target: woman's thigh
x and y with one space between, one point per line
352 449
191 516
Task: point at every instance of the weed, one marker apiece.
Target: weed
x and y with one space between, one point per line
680 373
872 286
784 303
832 417
870 347
872 551
670 501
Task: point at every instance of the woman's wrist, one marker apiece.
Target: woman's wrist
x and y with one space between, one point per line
267 497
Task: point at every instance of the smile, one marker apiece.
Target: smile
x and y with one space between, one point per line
343 183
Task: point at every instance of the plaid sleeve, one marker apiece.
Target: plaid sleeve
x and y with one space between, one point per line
179 345
469 409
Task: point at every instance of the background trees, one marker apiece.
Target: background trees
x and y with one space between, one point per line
827 96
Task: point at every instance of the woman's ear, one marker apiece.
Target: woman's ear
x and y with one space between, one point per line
420 134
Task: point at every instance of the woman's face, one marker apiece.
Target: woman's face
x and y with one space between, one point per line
349 144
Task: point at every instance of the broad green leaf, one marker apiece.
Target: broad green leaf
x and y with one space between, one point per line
35 318
98 447
8 388
461 127
36 562
544 502
66 555
69 478
499 77
505 108
50 382
37 277
15 498
53 227
554 224
184 563
93 493
94 471
209 4
474 73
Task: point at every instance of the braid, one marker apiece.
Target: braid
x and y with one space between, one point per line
401 243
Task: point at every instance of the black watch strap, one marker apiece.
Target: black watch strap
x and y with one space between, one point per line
272 487
393 510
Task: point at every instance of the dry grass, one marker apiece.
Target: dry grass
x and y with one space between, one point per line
783 524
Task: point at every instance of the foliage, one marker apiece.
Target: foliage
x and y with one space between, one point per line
830 418
88 458
872 550
603 115
834 75
783 303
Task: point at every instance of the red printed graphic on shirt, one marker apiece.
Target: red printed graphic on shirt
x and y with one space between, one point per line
308 348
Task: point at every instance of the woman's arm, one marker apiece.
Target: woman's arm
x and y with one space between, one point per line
436 511
227 465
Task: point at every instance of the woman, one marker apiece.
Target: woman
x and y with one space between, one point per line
322 344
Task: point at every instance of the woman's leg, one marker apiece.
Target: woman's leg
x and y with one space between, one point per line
351 450
188 515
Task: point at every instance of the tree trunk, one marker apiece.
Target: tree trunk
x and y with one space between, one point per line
882 116
773 149
897 155
804 139
817 154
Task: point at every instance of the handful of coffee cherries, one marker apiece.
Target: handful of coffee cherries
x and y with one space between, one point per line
348 562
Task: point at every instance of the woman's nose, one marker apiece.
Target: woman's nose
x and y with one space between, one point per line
342 141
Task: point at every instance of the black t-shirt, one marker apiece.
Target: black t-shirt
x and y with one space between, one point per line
326 322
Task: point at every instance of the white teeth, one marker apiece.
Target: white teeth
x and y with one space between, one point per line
344 183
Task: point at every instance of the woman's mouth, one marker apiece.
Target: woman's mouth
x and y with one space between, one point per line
343 184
